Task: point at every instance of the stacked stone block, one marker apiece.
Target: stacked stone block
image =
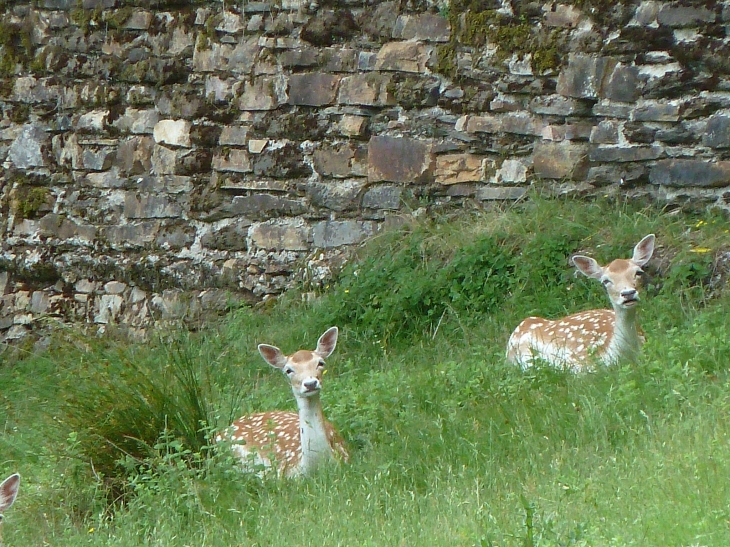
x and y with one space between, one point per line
165 160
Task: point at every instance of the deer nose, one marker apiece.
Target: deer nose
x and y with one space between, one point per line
629 293
311 384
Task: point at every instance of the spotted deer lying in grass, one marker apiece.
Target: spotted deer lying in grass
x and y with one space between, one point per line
578 341
295 443
8 491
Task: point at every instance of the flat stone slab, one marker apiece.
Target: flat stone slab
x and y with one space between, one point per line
690 173
558 160
313 89
399 159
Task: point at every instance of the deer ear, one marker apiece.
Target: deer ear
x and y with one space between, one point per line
327 342
643 250
588 266
272 355
8 491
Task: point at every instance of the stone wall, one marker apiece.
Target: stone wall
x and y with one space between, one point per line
164 159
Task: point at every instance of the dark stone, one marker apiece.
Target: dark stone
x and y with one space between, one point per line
622 84
383 197
558 105
265 206
649 39
281 236
675 15
205 135
181 103
500 193
656 112
194 161
280 26
681 84
339 161
55 226
690 173
329 27
133 234
66 5
717 133
337 59
313 89
137 205
553 160
379 22
98 4
229 238
286 162
175 236
415 91
155 71
300 125
298 58
397 159
625 174
337 196
625 153
334 233
678 134
429 27
606 132
639 132
583 76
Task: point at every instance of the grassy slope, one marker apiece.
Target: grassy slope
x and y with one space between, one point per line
451 446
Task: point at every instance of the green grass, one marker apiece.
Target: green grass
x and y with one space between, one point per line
450 445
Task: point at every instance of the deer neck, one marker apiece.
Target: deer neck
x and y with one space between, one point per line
312 434
625 342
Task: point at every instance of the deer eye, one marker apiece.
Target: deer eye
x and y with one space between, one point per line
606 282
321 364
639 273
288 371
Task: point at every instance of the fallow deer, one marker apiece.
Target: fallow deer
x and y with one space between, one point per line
296 443
8 491
578 341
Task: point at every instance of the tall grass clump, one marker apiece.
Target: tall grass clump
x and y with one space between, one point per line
125 402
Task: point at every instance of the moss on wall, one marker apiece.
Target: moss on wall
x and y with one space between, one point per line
475 27
28 201
16 47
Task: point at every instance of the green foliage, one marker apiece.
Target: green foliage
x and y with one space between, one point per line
691 272
206 485
422 286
